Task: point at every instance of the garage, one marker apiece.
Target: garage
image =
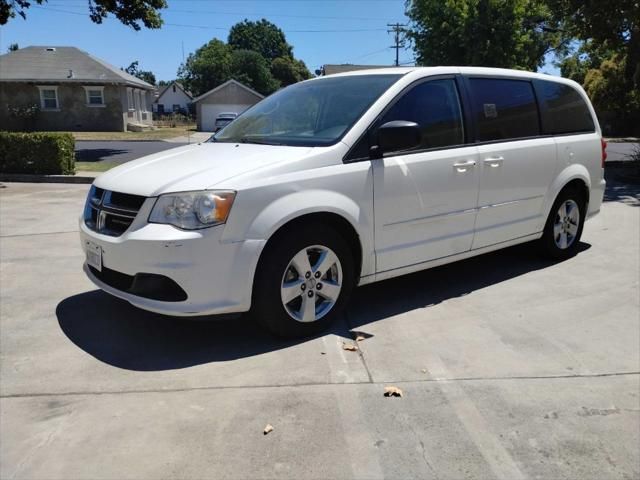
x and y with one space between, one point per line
211 112
231 96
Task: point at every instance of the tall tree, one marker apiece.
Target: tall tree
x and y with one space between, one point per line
252 69
492 33
262 36
288 70
206 68
144 75
129 12
615 25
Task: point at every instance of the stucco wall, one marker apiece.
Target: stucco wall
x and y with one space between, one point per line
73 113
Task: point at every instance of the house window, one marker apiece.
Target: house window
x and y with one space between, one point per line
130 99
49 98
95 96
176 107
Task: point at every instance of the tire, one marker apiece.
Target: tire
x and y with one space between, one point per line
315 296
563 229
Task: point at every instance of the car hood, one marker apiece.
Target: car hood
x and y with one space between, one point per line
193 167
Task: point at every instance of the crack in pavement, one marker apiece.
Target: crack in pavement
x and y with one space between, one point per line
312 384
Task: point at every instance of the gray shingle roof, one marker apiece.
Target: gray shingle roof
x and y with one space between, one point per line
54 64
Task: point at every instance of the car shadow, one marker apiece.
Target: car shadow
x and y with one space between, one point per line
126 337
121 335
431 287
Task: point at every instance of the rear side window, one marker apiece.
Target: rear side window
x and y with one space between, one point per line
504 109
435 107
565 112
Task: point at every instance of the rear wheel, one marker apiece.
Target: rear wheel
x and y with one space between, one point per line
564 225
303 280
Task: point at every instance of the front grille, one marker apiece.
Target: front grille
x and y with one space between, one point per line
111 213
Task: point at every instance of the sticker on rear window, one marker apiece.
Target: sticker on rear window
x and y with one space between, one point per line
490 110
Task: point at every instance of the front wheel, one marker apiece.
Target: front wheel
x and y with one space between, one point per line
564 226
303 280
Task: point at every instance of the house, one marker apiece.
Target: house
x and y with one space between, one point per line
172 98
230 97
345 67
74 91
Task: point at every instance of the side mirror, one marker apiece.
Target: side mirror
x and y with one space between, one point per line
395 136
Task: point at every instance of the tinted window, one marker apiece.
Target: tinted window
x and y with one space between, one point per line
504 109
313 113
435 107
566 110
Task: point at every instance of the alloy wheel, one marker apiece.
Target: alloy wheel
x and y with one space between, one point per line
311 283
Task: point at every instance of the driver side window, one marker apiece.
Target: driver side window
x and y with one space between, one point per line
435 107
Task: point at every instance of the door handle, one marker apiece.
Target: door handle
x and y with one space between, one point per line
464 166
494 162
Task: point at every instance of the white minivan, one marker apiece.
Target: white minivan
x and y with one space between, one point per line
346 180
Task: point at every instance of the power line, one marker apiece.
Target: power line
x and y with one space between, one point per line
398 30
245 14
208 27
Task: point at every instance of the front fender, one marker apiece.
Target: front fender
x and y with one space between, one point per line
298 204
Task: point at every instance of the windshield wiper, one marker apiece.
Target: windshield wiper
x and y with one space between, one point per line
256 141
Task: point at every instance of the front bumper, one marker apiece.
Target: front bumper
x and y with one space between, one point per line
216 276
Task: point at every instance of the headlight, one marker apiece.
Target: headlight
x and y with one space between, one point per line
193 210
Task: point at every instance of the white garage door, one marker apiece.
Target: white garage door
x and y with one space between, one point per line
210 112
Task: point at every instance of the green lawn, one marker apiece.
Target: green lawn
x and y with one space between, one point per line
101 166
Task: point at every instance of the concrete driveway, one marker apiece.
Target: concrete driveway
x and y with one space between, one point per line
512 367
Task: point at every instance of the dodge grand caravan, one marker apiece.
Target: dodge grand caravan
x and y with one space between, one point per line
346 180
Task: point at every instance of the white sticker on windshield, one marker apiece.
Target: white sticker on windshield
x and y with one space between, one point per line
490 110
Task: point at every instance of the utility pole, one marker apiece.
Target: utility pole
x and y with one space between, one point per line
397 29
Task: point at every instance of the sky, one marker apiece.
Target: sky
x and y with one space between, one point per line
321 31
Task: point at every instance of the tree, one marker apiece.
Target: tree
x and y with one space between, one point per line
607 62
615 25
144 75
289 71
129 12
13 47
492 33
206 68
262 36
252 69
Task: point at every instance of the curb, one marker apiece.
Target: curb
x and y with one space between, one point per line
27 178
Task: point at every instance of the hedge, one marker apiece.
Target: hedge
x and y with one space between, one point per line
38 153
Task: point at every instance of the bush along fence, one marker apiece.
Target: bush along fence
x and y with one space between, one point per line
37 153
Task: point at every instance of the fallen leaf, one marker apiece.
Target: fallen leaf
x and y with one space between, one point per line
268 428
350 347
424 370
392 392
323 353
359 338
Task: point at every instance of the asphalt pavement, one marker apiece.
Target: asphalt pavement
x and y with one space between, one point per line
119 152
511 367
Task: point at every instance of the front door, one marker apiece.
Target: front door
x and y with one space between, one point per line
425 199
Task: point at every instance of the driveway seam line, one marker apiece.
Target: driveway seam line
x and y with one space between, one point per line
293 385
360 352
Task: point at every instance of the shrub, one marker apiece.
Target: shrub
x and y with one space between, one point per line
39 153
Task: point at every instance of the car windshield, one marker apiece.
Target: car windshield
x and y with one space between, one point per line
314 113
